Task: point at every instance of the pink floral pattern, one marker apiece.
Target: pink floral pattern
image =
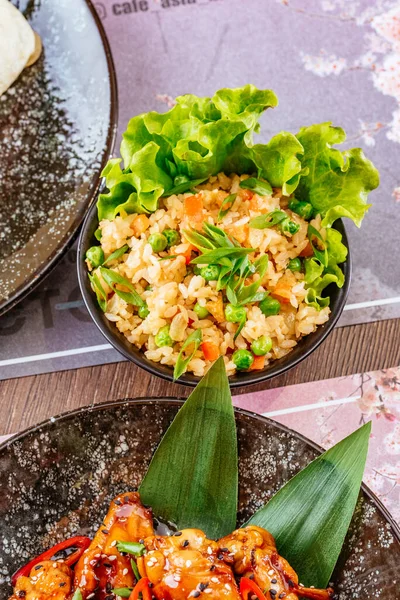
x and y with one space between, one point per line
327 411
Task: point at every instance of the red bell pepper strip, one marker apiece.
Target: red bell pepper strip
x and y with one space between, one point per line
79 542
249 588
142 587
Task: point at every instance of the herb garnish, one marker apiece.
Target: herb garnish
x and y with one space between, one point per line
134 548
228 200
99 291
181 364
112 278
257 186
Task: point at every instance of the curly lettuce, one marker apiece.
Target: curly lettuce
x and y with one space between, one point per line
172 152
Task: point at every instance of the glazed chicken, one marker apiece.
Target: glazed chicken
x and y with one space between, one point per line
181 566
185 565
46 580
254 554
102 567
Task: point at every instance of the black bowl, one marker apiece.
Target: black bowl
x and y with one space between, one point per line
303 349
58 478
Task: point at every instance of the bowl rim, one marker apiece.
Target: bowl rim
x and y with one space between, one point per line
48 265
240 380
179 401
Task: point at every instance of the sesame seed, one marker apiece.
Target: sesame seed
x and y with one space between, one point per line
177 533
209 550
63 583
113 543
105 531
203 586
271 572
125 572
112 557
55 565
188 563
214 579
282 595
117 502
272 593
38 567
227 586
274 581
196 594
185 544
92 595
177 577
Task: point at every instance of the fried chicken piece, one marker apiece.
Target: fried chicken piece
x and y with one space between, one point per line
102 567
187 565
48 580
255 556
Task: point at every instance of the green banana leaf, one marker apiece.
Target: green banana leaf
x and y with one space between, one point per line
310 515
192 480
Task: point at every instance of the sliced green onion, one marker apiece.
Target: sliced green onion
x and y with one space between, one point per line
112 278
258 186
77 595
183 186
99 291
117 254
228 200
239 329
134 548
122 592
181 364
135 570
98 234
268 220
169 257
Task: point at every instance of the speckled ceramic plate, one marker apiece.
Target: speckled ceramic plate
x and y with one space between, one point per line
58 478
57 129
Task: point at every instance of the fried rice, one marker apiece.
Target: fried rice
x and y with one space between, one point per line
171 288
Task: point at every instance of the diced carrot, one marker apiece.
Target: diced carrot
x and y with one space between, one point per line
188 253
193 206
140 224
210 350
258 363
307 251
245 194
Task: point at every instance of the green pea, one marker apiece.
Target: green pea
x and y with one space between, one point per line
95 256
270 306
163 338
201 311
301 208
261 346
210 272
143 311
173 237
235 314
243 359
158 242
289 226
295 265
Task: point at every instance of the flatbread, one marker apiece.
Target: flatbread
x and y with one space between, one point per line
17 44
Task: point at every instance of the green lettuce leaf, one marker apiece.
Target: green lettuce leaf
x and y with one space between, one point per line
318 277
197 138
336 183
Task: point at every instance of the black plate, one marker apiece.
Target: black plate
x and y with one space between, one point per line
58 478
303 349
57 129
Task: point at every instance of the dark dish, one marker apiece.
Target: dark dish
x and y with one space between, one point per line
211 245
60 477
57 131
304 348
